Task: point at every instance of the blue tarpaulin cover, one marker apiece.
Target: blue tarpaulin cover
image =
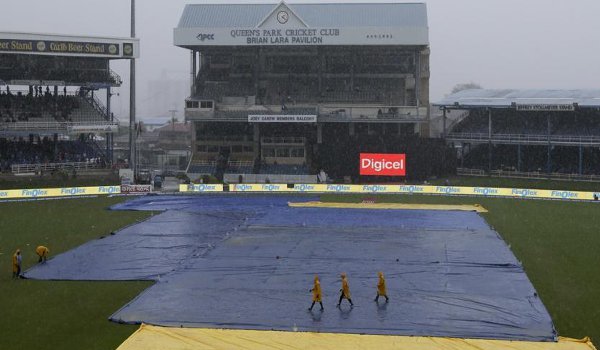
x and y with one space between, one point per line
248 262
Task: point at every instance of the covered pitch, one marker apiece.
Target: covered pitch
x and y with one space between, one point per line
248 263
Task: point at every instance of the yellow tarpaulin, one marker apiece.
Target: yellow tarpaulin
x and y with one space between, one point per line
406 206
164 338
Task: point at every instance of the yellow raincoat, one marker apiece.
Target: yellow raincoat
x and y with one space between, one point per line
345 287
42 251
15 261
316 290
381 290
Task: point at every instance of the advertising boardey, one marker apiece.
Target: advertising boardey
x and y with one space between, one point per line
200 188
376 189
243 188
380 164
136 189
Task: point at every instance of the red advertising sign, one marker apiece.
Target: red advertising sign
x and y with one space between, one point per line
380 164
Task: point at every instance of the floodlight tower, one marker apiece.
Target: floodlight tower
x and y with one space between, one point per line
132 125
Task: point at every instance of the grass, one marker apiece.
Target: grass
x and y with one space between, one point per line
556 241
60 315
558 244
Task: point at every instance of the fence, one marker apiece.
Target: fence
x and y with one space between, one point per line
270 178
43 167
525 138
527 175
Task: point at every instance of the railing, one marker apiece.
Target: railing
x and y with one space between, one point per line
240 163
36 168
372 113
98 106
325 112
269 178
337 96
203 162
368 96
224 138
540 175
71 76
470 172
52 125
525 138
455 121
116 78
283 140
527 175
24 126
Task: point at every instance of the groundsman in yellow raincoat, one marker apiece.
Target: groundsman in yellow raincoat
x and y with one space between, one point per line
381 289
42 252
345 291
317 296
16 263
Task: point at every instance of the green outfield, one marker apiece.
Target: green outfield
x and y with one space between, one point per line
60 315
556 241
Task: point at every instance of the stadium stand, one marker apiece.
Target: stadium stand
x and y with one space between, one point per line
48 108
43 116
51 116
543 133
15 155
71 70
347 79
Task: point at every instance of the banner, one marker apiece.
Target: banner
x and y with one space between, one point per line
201 188
380 164
545 107
296 36
309 188
136 189
59 47
107 190
394 189
259 188
281 118
58 192
105 128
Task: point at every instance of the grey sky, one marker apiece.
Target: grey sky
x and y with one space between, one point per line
496 43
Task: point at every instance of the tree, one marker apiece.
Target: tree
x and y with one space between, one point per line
465 86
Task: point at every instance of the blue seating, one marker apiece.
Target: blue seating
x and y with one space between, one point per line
202 169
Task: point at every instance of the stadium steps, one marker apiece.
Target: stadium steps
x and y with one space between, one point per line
90 110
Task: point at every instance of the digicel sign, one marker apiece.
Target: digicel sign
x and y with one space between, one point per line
382 164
